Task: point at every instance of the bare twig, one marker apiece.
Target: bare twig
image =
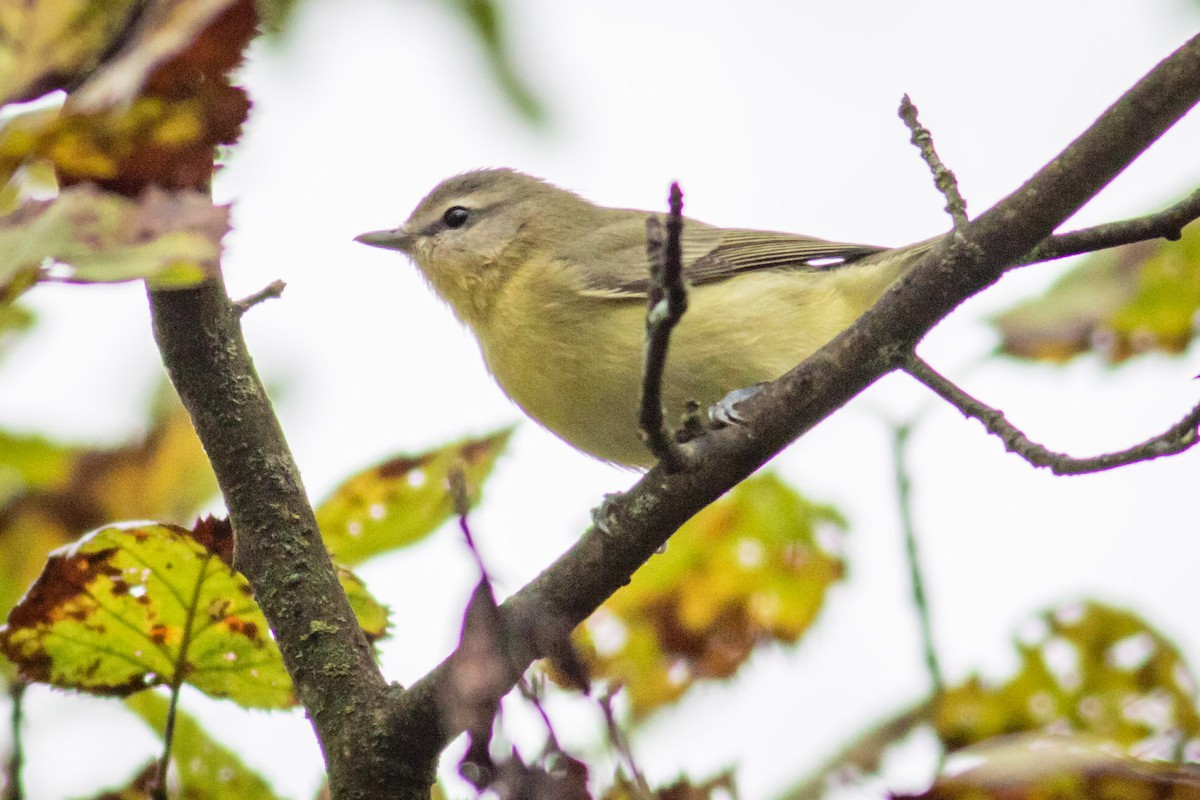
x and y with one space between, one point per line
619 742
272 290
533 695
668 302
947 184
1176 439
1166 224
917 579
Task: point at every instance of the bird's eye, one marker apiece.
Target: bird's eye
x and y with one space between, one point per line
455 217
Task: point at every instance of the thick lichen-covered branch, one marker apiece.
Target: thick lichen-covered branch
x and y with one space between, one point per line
277 544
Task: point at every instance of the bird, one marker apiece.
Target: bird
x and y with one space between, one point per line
554 288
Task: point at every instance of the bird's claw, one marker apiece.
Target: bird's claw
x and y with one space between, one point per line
724 413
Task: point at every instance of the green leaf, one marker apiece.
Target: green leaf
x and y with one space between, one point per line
404 499
203 768
372 615
124 609
1091 669
97 236
1118 302
747 570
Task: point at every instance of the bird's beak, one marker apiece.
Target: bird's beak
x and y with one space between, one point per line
395 239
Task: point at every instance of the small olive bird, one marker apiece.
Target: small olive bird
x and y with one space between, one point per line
554 288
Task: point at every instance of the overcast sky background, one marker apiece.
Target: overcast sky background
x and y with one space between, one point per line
777 115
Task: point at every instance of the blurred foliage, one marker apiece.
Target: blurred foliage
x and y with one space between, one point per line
404 499
172 239
149 102
1121 302
718 788
1061 768
749 569
1090 669
51 493
124 609
47 46
14 320
485 19
204 769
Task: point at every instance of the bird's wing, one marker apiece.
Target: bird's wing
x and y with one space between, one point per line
710 255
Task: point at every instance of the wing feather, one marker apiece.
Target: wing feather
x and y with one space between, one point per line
617 266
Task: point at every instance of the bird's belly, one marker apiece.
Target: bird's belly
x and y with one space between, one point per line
582 379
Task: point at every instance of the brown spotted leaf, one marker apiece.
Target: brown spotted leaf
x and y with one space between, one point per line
1087 668
747 570
404 499
124 609
171 238
1120 302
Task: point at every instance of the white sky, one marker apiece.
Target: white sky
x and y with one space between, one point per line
778 115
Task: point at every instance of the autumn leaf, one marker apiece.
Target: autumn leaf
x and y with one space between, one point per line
404 499
124 609
55 45
1120 302
153 114
747 570
1092 669
170 238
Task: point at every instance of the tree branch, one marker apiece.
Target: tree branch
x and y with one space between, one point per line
965 263
277 544
943 178
1166 224
1179 437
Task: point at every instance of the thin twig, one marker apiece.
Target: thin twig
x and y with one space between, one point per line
1166 224
620 743
532 695
916 577
14 788
1176 439
271 291
946 183
668 302
864 754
